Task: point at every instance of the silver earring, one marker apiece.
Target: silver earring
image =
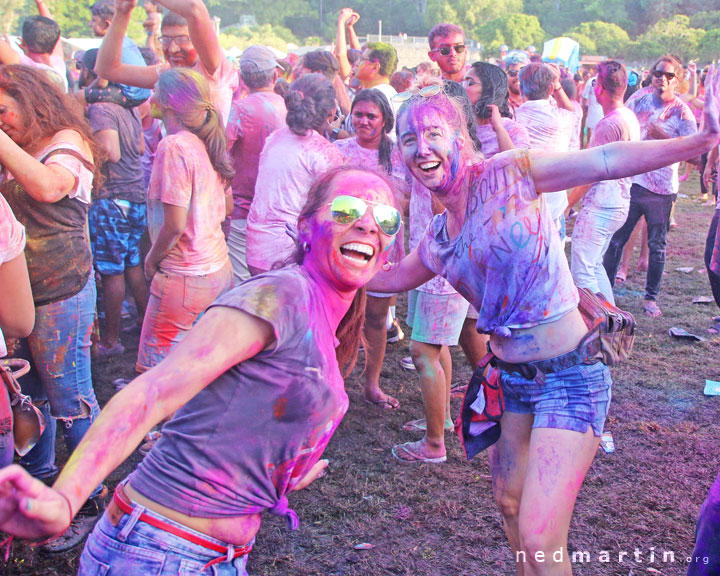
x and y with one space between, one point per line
306 246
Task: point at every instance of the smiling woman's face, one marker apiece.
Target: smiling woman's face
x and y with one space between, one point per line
430 147
348 255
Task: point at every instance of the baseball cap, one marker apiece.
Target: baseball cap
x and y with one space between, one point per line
258 58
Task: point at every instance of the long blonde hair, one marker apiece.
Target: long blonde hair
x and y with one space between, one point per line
187 94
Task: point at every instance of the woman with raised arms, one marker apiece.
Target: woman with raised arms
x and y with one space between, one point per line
253 413
496 244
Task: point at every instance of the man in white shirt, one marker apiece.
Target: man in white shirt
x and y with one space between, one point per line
605 203
549 126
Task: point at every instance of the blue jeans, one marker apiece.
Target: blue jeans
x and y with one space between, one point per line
134 547
591 236
60 379
709 248
706 555
656 209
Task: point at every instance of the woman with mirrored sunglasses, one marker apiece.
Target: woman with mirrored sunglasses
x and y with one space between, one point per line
371 149
495 243
257 391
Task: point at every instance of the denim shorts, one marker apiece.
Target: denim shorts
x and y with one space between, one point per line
116 227
571 399
134 548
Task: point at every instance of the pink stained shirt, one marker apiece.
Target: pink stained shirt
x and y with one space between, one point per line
289 164
676 119
251 121
507 260
183 176
620 125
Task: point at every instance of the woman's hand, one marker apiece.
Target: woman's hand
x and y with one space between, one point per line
28 508
317 471
150 268
495 117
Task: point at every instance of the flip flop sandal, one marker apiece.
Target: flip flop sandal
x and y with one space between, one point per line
405 453
389 404
652 309
421 425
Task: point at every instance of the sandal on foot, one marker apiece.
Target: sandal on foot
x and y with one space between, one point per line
406 453
389 403
652 309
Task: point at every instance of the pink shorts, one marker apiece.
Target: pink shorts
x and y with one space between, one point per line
176 302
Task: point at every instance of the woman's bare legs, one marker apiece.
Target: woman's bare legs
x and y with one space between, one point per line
537 474
376 339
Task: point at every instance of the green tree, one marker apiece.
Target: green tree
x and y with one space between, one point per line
707 20
587 44
609 39
515 30
709 46
673 35
470 14
265 34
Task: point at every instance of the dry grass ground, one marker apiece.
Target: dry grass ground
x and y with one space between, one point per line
440 520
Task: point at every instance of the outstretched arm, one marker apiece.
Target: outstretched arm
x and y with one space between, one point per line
401 276
109 63
560 171
202 32
341 43
29 509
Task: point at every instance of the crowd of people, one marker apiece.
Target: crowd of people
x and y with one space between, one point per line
256 214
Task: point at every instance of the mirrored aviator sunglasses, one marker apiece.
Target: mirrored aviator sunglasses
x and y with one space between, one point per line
349 209
427 92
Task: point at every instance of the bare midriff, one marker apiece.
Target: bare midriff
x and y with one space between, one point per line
541 342
238 530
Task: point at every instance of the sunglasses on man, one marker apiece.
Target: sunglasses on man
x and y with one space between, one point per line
447 50
668 75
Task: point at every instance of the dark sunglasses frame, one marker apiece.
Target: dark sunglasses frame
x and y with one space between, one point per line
447 50
668 75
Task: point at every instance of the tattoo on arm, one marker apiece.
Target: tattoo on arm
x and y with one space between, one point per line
604 155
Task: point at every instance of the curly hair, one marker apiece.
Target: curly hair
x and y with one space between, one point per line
378 98
187 94
309 102
385 55
47 109
494 90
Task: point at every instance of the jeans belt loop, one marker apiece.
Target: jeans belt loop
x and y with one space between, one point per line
134 518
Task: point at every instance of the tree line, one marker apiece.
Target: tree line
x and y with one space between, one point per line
635 30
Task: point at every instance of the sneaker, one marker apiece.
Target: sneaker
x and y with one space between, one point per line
395 334
114 350
407 363
80 527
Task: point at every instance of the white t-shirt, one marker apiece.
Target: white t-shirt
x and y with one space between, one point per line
289 164
594 110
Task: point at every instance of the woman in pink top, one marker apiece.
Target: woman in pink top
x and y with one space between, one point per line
292 159
187 203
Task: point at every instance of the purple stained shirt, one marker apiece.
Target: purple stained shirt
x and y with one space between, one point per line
676 119
489 142
246 440
508 259
251 121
